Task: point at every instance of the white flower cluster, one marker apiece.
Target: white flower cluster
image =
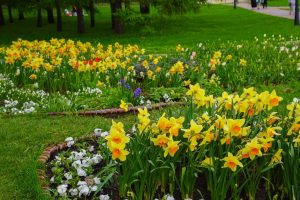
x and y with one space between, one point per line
80 168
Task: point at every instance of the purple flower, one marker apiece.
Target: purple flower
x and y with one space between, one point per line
124 84
137 92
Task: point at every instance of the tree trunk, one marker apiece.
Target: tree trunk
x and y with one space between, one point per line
39 18
92 12
112 14
21 14
2 22
116 20
58 17
144 7
127 4
80 19
11 19
50 15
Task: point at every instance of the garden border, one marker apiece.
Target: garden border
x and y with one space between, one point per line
116 111
46 155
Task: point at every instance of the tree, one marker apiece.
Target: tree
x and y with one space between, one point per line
173 7
58 16
80 17
92 12
39 22
144 6
21 14
116 5
50 15
2 21
9 7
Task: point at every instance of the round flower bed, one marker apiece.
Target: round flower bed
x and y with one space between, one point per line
224 147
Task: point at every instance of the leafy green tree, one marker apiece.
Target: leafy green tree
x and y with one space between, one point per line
173 7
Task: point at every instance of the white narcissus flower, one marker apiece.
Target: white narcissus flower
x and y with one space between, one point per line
104 197
62 189
68 175
81 172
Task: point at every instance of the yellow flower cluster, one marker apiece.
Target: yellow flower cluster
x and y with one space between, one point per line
117 140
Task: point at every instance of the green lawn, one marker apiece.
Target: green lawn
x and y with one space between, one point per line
278 3
23 138
212 23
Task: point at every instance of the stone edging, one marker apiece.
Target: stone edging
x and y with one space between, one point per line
116 111
46 155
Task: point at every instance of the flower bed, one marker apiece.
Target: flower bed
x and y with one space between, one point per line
222 147
66 75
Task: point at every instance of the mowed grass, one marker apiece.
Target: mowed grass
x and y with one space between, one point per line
23 138
213 22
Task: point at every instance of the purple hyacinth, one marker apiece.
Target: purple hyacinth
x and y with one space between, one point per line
137 92
124 84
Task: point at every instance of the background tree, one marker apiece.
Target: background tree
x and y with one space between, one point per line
116 6
58 16
38 5
49 4
92 12
10 4
2 21
145 6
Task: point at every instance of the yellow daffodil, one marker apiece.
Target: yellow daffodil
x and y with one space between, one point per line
124 105
172 148
232 162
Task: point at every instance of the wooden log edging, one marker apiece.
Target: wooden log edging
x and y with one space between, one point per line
117 111
45 157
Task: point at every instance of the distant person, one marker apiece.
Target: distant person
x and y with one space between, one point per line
253 3
258 3
74 11
264 3
292 6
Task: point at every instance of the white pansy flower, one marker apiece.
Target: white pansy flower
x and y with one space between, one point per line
62 189
97 132
104 197
91 148
73 192
97 158
68 175
70 141
169 197
94 188
83 188
96 180
104 134
81 172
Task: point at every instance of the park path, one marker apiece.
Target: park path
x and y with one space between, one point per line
274 11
